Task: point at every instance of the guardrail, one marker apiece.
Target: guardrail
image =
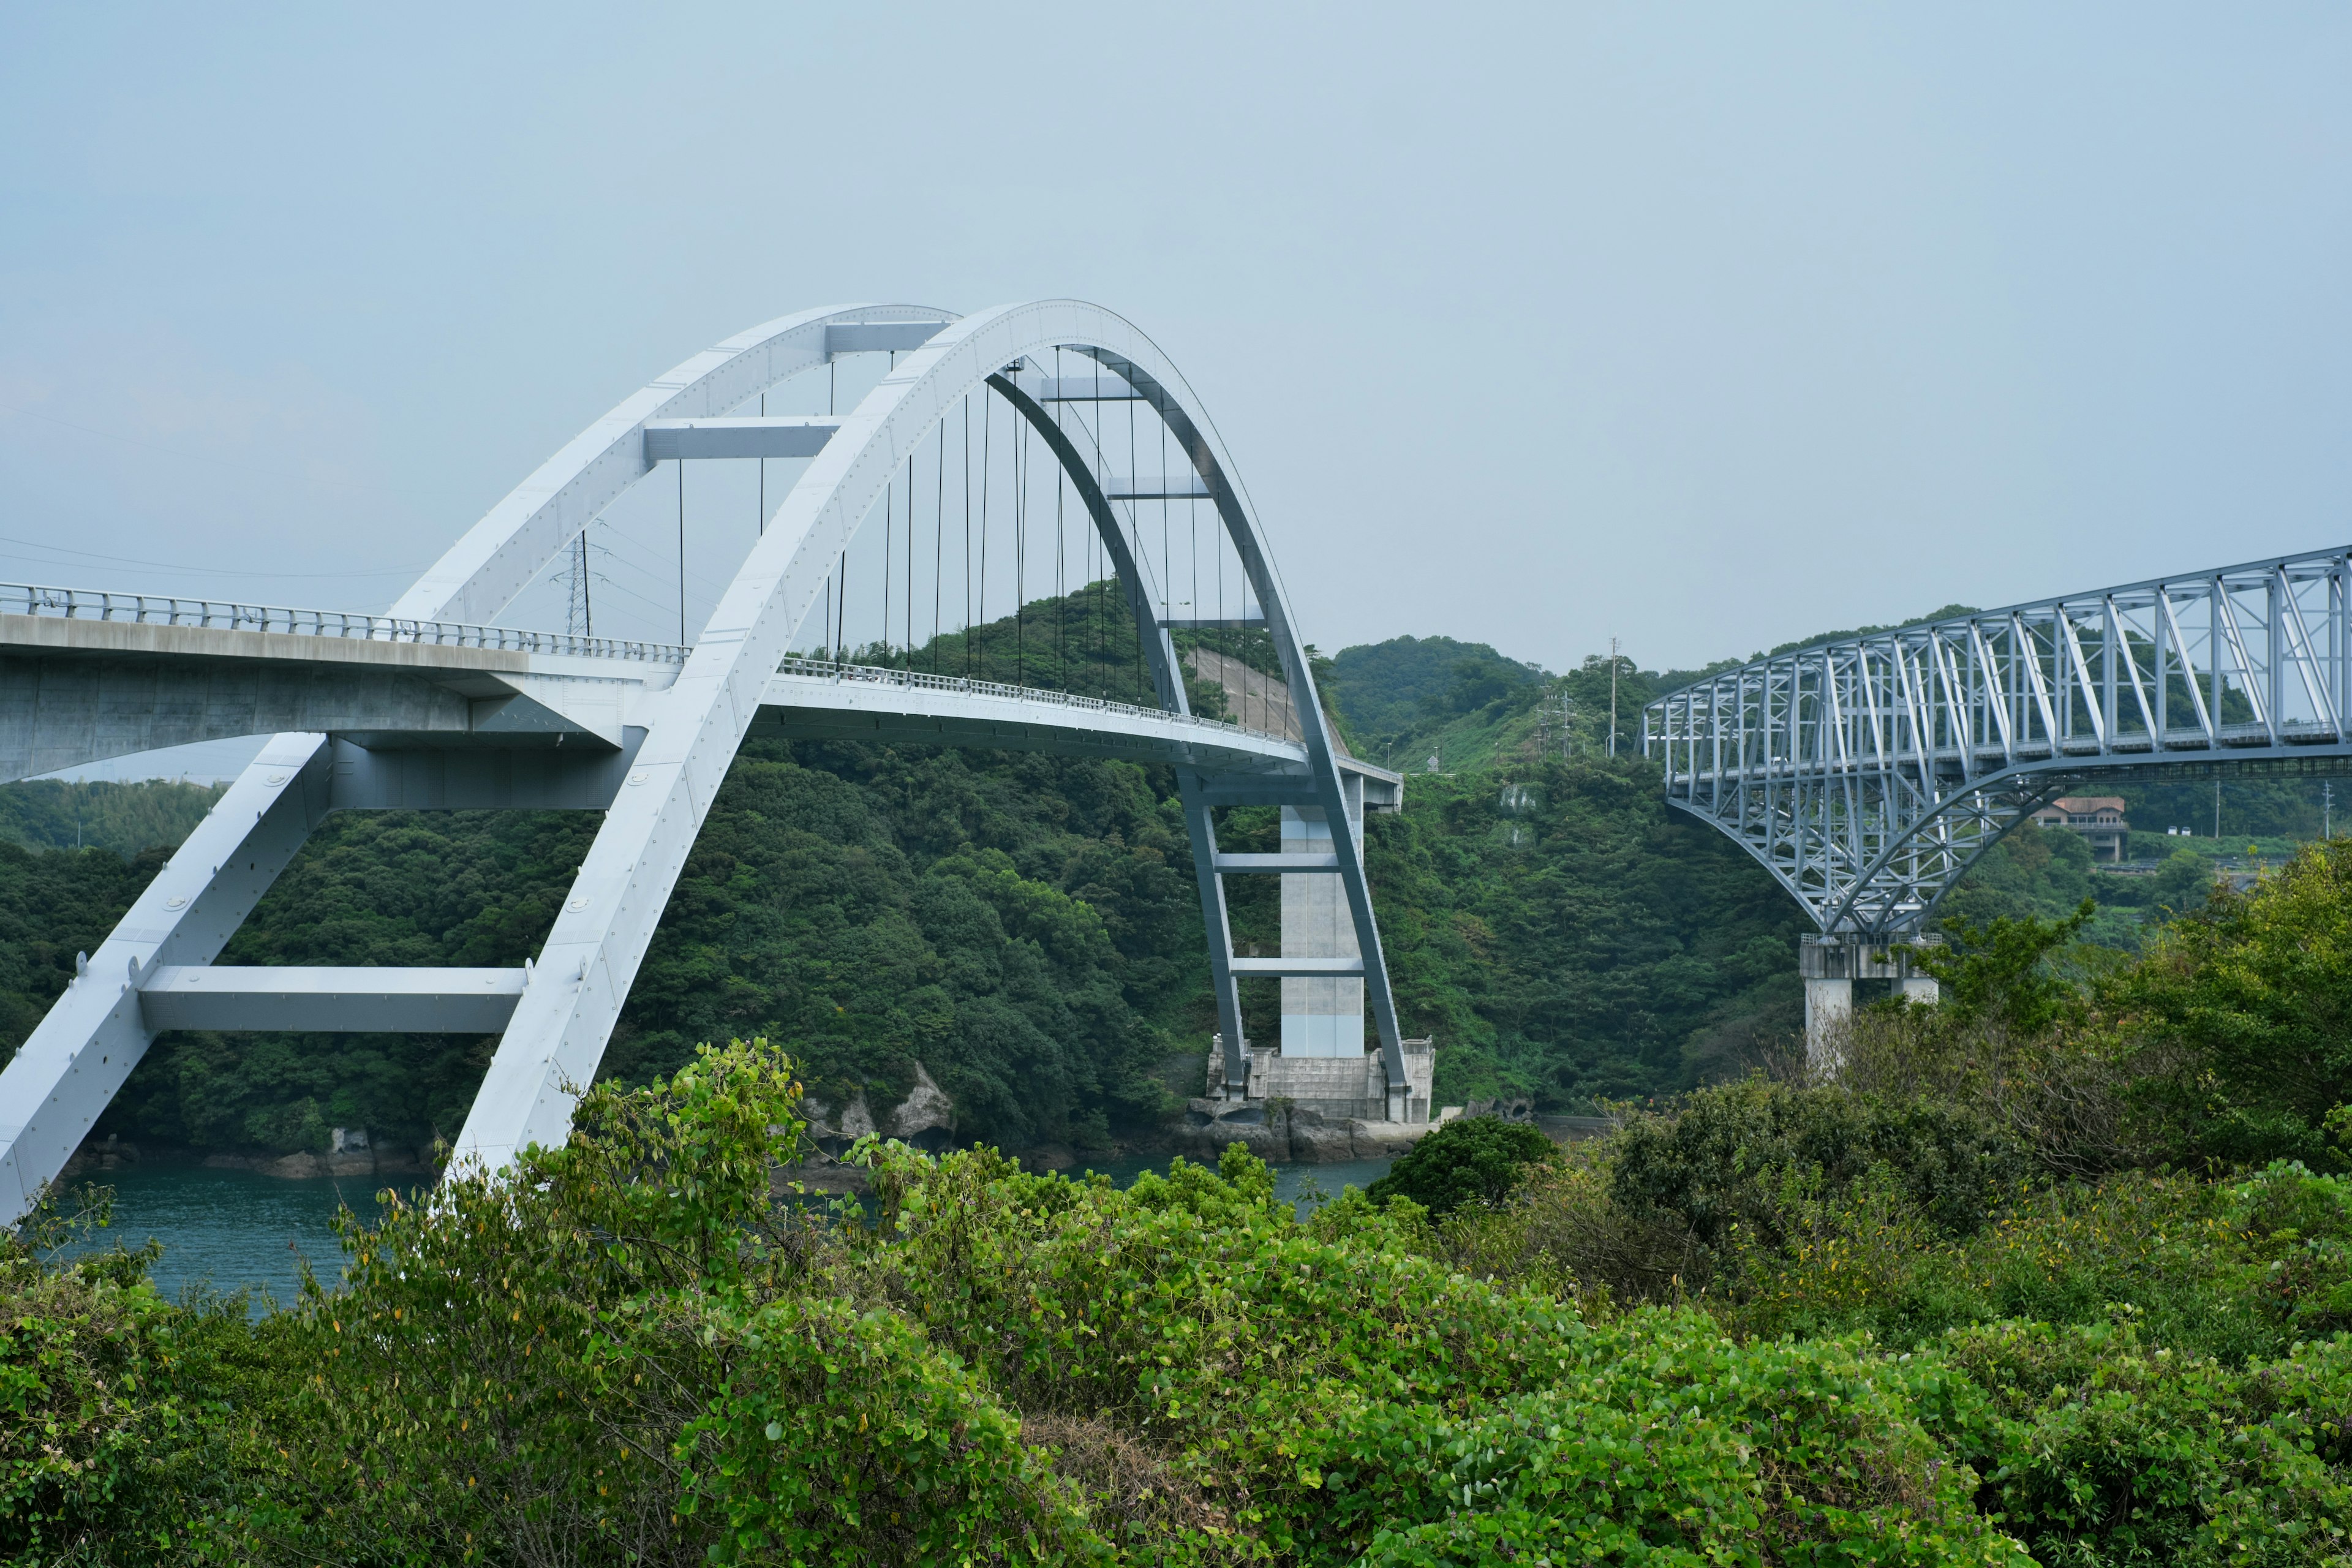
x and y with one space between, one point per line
915 680
157 609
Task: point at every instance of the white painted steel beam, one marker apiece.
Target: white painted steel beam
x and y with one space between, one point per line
372 1001
1283 863
1300 968
668 440
79 1054
877 337
500 555
813 701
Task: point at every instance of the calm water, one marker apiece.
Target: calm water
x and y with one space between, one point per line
235 1230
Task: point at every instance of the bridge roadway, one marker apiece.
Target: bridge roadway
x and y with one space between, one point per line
464 717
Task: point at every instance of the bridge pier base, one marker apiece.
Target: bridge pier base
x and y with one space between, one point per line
1831 964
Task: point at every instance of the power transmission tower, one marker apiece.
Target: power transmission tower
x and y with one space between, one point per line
1612 697
577 619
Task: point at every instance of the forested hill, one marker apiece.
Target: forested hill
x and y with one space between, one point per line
1024 927
46 813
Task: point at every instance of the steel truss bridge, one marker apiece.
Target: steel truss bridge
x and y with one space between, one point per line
433 705
1867 775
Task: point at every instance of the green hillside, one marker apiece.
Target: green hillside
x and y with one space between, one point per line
1026 927
49 813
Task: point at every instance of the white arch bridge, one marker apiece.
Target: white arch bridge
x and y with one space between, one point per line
1868 774
1072 416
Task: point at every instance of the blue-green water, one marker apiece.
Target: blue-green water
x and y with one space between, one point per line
232 1230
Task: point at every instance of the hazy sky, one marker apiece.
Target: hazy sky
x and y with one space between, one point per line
1703 326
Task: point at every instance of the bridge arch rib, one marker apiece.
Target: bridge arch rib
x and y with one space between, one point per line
566 1013
681 736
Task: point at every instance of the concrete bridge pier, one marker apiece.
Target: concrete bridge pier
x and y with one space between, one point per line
1831 964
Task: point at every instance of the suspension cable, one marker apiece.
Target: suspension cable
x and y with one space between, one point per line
987 444
911 561
1061 548
1134 527
939 540
967 534
1020 548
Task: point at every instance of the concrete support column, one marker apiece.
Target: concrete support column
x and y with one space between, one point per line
1828 1012
1832 964
1319 1017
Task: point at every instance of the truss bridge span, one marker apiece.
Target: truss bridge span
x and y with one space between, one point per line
1868 774
1084 434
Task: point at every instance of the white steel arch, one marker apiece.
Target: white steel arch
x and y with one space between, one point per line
657 759
557 1037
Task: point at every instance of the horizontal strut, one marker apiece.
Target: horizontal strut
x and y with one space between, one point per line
358 1001
1301 968
1157 486
1277 862
878 337
763 437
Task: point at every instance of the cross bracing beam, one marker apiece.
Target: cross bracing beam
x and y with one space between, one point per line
1075 388
1283 863
668 440
1868 774
1299 968
873 337
664 732
1157 486
283 996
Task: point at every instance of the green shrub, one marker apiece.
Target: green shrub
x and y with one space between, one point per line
1725 1158
1470 1160
2108 1451
843 1436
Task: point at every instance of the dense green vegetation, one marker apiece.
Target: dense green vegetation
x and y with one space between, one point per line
1026 928
49 813
2040 1273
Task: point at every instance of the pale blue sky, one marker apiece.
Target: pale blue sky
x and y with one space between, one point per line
1705 326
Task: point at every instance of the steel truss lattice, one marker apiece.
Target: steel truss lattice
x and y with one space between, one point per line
1867 775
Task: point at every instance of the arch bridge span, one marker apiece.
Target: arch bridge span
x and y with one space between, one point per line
1081 425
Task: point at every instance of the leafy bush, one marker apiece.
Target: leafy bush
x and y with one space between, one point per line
2252 995
1470 1160
639 1349
1724 1159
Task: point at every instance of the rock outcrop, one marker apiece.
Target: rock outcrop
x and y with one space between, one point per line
1279 1132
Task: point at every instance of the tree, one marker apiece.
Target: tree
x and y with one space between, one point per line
1471 1160
2248 1003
